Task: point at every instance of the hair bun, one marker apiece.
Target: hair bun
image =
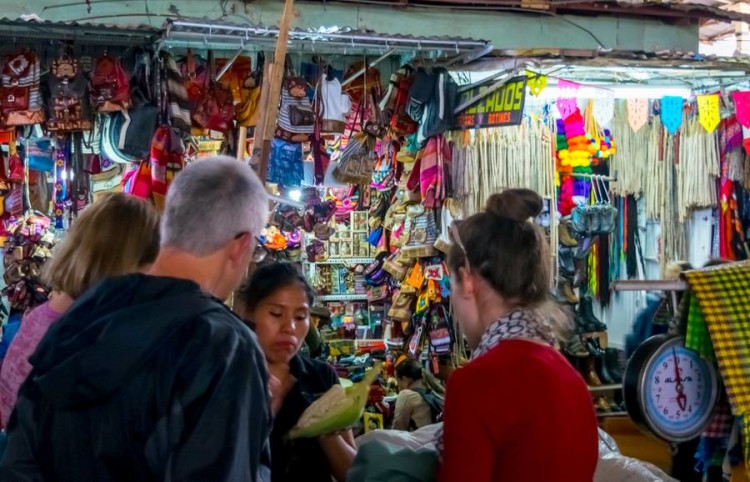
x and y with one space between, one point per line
515 204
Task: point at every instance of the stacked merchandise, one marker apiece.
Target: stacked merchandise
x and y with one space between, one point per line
28 244
376 217
587 219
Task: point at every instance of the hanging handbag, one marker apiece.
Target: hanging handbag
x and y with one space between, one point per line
69 96
110 85
247 109
295 114
178 102
294 84
196 77
126 135
215 108
39 154
20 95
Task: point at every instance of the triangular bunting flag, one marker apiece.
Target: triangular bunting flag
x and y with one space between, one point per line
742 107
708 111
566 102
604 110
536 82
637 113
671 113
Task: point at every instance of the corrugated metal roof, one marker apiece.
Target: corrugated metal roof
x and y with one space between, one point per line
35 28
195 32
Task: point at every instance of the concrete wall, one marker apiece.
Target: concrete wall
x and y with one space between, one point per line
505 30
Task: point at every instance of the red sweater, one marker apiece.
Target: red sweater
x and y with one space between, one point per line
519 413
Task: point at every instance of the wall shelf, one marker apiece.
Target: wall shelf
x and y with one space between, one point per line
606 388
345 261
342 298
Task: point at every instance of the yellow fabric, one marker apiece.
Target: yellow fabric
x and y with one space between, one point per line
708 111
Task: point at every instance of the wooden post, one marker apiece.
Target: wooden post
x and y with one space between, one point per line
273 76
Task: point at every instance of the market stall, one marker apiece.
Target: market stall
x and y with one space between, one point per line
377 144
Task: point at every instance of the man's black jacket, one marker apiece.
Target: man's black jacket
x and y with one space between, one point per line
143 379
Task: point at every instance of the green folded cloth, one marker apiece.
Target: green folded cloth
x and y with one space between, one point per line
379 461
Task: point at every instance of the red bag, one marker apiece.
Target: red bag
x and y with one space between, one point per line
15 166
195 72
401 123
14 98
110 85
215 110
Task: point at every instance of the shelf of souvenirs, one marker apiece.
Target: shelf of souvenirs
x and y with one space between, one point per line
344 261
606 388
343 297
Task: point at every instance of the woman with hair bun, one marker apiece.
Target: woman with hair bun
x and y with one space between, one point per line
517 411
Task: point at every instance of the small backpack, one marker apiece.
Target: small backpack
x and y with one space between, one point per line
69 96
110 85
436 404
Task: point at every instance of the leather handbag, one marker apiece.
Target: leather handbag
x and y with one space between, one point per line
301 115
110 85
215 110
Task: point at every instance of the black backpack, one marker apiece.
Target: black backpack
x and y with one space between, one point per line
435 403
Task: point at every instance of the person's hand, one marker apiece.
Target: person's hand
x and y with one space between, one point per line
279 384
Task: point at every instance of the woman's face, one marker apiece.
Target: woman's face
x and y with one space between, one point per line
282 321
465 308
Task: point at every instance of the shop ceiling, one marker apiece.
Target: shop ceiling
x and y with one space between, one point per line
506 24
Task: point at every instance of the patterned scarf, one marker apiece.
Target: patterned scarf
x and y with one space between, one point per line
519 324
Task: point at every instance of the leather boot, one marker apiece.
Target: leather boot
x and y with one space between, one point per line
589 374
566 237
565 260
614 366
603 372
586 312
603 406
565 289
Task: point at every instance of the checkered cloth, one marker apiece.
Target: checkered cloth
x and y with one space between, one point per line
724 297
722 420
697 338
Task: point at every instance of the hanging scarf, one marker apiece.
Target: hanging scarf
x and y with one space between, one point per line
519 324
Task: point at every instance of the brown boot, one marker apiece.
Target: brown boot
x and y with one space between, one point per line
566 238
603 406
592 379
565 289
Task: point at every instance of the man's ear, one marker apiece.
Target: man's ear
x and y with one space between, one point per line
239 249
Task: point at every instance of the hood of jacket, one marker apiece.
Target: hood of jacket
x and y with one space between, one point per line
110 333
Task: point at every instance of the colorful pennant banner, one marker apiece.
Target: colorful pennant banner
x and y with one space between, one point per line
742 107
671 113
708 111
637 113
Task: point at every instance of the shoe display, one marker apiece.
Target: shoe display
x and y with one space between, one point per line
566 236
586 312
566 292
602 371
566 260
603 406
589 374
615 366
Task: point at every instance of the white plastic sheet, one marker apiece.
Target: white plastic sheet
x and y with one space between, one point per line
612 467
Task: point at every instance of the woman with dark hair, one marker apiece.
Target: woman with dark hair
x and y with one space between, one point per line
276 302
412 410
517 411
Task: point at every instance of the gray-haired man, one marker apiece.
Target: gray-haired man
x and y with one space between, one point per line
149 377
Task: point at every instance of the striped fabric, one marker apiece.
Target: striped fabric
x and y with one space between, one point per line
285 120
724 297
179 103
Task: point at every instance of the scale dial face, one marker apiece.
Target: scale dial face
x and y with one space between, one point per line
678 391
